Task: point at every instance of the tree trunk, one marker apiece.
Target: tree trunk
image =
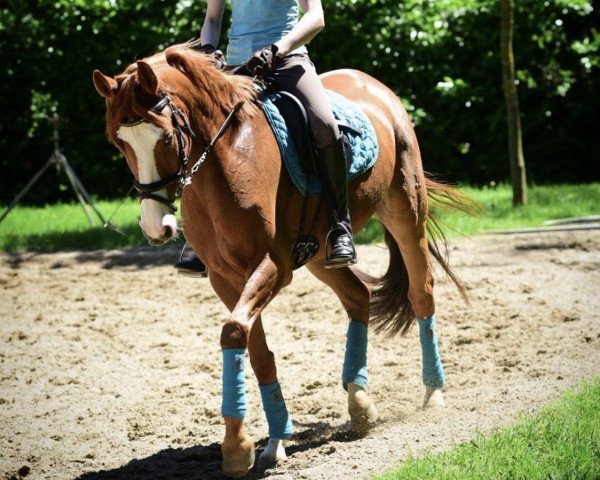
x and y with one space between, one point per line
515 144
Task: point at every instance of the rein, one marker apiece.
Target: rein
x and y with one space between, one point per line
209 147
180 125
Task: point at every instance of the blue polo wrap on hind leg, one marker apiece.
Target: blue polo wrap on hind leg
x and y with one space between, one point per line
433 370
278 418
234 383
355 359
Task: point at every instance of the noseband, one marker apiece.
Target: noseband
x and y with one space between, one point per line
180 125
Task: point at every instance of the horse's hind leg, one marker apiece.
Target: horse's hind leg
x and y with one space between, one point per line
355 298
405 217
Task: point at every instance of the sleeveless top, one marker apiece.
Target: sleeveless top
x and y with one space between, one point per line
256 24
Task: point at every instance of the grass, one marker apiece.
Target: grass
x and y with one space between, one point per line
545 203
65 227
561 441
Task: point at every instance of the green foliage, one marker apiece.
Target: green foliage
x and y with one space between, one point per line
440 56
48 50
562 441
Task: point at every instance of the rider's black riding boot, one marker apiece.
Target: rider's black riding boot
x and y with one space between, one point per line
334 176
192 267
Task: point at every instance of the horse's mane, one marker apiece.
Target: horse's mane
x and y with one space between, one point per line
211 89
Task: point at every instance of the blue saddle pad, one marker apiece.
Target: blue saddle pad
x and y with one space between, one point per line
365 148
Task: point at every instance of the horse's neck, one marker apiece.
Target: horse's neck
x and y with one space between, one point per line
206 123
243 155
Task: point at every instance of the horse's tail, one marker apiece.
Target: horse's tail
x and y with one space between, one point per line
391 310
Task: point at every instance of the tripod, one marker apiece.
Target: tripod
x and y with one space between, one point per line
60 162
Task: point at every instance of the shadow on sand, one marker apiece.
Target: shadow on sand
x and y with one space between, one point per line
136 258
204 462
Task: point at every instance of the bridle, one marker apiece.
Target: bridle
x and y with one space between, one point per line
180 126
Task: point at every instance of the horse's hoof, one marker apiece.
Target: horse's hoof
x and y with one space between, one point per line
362 410
433 398
236 465
273 454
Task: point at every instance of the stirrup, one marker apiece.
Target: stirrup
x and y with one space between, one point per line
192 267
340 260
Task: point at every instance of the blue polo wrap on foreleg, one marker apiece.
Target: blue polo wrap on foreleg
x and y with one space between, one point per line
234 383
433 370
278 418
355 359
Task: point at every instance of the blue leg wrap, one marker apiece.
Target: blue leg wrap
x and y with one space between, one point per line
433 370
355 359
280 422
234 384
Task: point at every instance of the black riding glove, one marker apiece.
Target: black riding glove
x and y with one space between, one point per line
262 62
219 59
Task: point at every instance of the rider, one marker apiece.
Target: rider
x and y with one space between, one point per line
270 38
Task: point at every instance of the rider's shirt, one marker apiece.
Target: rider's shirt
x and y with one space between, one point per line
256 24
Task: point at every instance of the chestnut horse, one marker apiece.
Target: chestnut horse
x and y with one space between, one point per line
241 215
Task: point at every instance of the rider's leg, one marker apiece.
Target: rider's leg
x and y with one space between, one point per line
334 177
296 74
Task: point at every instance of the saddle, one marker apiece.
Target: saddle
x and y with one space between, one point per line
290 124
289 121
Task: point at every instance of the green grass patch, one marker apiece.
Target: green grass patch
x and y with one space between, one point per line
549 202
561 441
65 226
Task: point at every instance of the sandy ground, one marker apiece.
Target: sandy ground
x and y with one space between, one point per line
110 363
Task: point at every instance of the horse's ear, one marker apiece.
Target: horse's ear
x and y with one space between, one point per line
147 78
106 86
176 59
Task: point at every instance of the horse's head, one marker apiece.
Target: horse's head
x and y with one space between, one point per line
151 107
138 123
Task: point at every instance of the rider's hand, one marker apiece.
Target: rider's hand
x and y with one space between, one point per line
207 48
219 58
262 61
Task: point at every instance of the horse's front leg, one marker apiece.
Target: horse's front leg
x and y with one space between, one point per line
278 418
243 331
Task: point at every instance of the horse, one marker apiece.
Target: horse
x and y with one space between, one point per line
241 214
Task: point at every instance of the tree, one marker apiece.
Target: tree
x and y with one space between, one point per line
439 56
515 142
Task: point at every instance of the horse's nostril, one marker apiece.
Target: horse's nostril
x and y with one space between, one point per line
168 232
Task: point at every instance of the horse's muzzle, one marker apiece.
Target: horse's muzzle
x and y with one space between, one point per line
168 234
160 232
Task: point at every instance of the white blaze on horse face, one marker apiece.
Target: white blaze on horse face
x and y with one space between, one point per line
142 139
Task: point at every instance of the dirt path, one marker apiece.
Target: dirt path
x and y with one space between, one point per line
110 363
